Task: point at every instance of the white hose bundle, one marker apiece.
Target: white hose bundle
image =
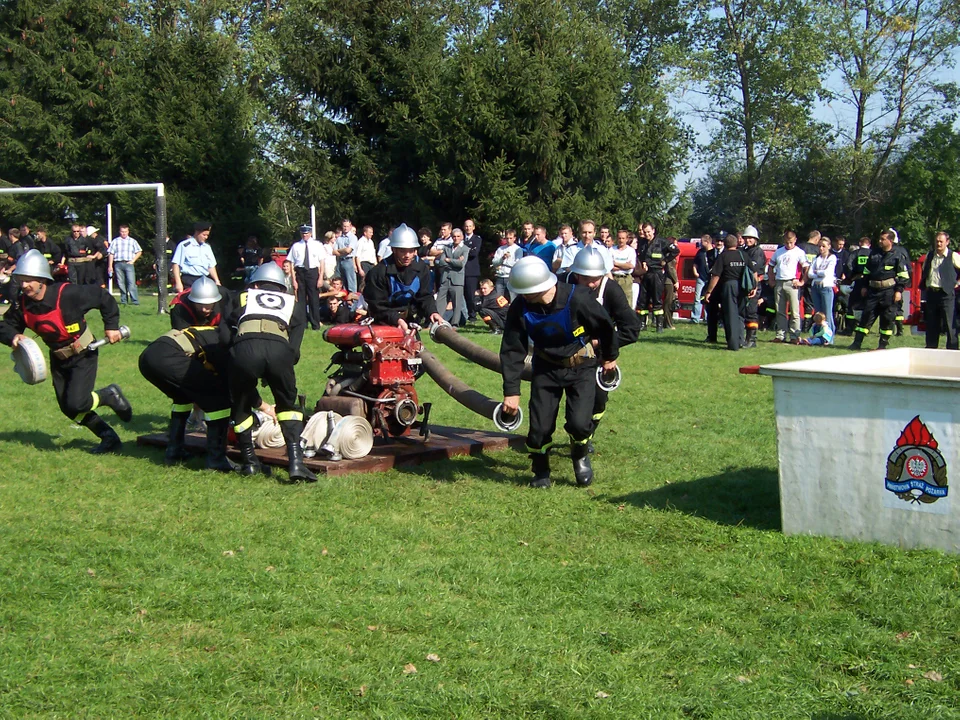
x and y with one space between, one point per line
268 434
28 362
352 436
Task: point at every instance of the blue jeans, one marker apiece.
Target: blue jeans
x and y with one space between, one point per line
348 273
126 281
697 300
823 302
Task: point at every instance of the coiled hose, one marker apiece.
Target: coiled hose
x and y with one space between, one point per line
350 436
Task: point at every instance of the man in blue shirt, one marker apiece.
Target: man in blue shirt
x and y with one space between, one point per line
346 252
194 259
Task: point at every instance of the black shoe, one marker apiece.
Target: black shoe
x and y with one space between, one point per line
217 447
541 471
857 342
176 449
590 448
109 440
710 340
582 469
112 396
250 463
883 344
291 435
899 328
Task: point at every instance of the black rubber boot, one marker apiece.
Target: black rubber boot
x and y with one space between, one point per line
217 446
109 440
112 396
659 322
176 449
643 322
250 464
541 470
899 328
582 469
884 342
299 472
751 341
857 342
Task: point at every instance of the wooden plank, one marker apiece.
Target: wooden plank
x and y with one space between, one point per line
445 442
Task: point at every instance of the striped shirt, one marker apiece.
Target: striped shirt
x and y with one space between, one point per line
124 249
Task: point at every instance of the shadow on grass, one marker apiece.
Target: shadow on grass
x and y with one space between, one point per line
502 466
747 496
33 438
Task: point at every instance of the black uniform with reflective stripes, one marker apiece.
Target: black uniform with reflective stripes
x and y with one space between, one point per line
264 320
657 254
757 260
612 298
905 259
886 268
856 261
189 364
561 332
393 292
493 310
59 320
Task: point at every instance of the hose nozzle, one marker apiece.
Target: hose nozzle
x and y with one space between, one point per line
507 423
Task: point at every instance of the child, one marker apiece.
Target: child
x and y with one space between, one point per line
820 333
493 307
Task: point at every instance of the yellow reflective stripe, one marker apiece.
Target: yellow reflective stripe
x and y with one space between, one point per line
289 415
658 312
81 417
903 274
597 417
580 442
243 426
96 401
886 332
181 407
865 331
201 328
540 451
216 415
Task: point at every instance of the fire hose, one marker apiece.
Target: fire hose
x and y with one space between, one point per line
467 396
445 334
337 436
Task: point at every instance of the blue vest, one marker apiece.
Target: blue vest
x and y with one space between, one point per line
402 295
551 331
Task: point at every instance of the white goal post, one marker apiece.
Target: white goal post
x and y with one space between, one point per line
160 239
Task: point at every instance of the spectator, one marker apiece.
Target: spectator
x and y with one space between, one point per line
194 259
565 252
820 331
471 273
702 262
493 306
823 281
504 259
251 257
346 252
453 260
785 277
123 254
366 253
624 261
938 282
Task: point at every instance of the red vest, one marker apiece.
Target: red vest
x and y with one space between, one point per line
181 299
50 326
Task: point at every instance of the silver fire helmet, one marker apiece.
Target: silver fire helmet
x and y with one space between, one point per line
530 276
404 237
751 231
33 264
589 263
269 272
204 292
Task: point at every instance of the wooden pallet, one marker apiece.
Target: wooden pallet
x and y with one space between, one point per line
445 442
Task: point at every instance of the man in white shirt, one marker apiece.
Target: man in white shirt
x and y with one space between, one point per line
566 251
503 261
306 255
366 253
588 232
785 280
624 261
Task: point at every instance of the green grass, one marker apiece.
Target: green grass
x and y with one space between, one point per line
127 588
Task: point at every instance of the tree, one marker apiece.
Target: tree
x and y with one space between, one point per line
891 57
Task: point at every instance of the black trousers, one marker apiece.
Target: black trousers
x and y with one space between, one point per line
751 314
470 285
309 294
651 292
255 359
725 301
879 303
548 385
188 280
939 316
183 378
73 382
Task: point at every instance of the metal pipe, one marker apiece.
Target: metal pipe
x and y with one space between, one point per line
467 396
445 334
80 188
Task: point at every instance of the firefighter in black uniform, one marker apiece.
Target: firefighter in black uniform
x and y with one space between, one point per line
188 364
266 320
853 278
493 307
757 260
81 257
562 321
587 271
55 311
656 255
727 272
907 262
397 291
885 277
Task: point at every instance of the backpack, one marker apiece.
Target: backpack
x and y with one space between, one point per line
748 281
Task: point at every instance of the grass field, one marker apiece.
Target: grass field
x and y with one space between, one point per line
452 590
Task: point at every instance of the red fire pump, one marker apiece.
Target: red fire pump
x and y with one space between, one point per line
378 364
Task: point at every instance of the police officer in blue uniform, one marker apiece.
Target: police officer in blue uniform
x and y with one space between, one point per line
562 321
397 291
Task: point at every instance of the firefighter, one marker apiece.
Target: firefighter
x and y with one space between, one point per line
397 290
657 253
757 261
905 259
265 319
588 272
853 280
885 276
561 321
188 364
55 311
493 307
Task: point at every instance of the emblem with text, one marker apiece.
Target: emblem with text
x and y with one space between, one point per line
916 470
